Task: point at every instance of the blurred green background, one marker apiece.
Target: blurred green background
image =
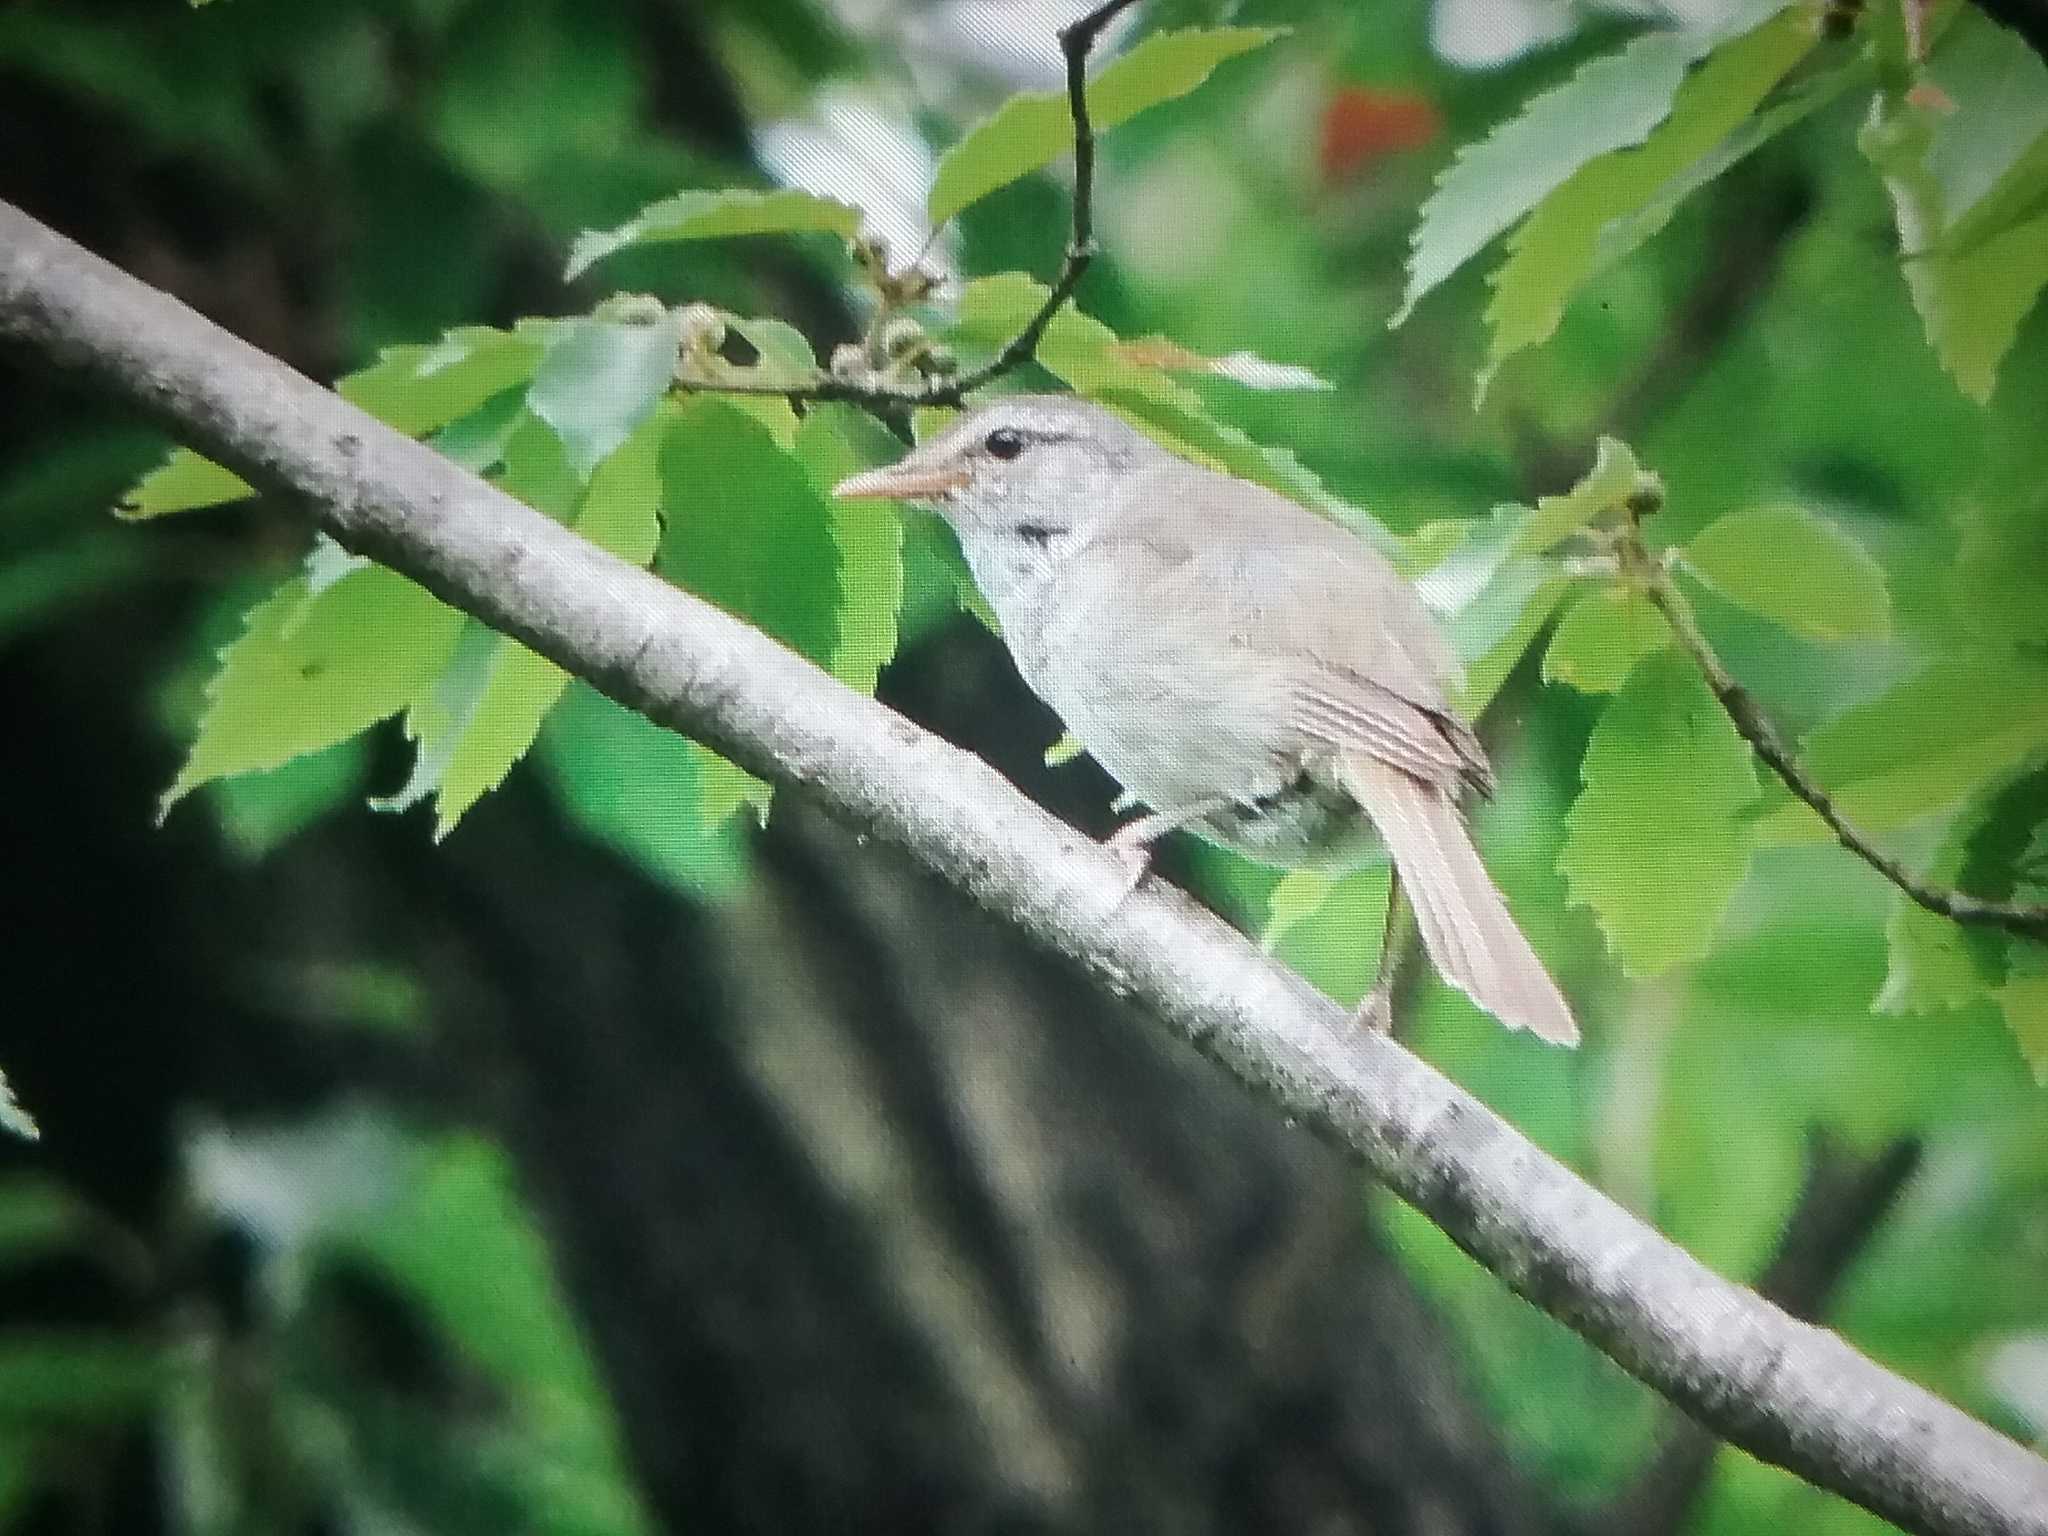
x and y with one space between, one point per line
600 1171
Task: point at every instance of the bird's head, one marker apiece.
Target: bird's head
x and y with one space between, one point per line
1035 467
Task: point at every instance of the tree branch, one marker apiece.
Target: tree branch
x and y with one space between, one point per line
1840 1206
1787 1392
1648 572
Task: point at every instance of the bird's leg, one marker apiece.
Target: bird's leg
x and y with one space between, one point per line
1376 1008
1132 842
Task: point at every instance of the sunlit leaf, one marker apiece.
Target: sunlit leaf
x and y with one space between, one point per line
417 389
705 215
1034 129
1656 843
1560 246
310 671
1973 303
1970 296
1987 152
1797 98
185 482
1610 103
1602 637
420 389
487 708
1605 488
1790 565
599 380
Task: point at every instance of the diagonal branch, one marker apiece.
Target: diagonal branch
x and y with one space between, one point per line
1790 1393
1649 573
1843 1201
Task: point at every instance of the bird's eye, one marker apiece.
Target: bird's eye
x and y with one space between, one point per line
1004 443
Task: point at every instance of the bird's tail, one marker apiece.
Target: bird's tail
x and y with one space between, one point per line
1465 925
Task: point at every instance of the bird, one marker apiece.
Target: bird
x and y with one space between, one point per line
1246 669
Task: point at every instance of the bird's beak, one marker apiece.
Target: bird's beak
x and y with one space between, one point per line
904 481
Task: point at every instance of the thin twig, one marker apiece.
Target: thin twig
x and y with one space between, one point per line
1649 573
1077 41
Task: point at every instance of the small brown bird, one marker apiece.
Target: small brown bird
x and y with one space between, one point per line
1246 669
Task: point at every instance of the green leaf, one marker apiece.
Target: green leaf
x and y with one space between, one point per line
260 812
487 708
420 389
416 389
185 482
1797 99
1606 487
1790 565
461 1246
748 530
706 215
1034 129
599 380
1920 746
1297 897
478 440
76 1379
637 788
1972 304
1987 155
1602 638
1656 843
833 442
2024 1002
1610 103
1328 929
1561 245
1933 962
1971 296
313 670
1491 600
38 1216
1998 586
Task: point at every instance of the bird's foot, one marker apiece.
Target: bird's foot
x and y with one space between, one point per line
1375 1013
1133 856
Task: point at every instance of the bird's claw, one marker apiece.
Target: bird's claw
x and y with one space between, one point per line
1136 861
1375 1013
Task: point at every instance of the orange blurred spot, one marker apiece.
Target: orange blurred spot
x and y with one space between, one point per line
1363 124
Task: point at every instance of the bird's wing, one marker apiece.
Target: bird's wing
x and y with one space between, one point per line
1329 619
